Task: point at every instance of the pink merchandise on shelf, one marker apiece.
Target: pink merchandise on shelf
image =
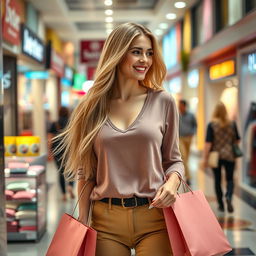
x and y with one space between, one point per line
24 195
10 213
27 228
9 194
12 226
36 168
15 165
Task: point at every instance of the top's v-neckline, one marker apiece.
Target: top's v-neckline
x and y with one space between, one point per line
135 120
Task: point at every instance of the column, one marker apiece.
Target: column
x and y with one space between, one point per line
38 113
3 236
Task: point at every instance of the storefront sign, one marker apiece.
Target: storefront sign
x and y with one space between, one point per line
37 75
252 62
193 78
11 22
79 79
57 63
32 46
68 73
90 50
68 76
10 94
222 70
175 85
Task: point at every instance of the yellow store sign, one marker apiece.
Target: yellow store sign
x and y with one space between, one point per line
221 70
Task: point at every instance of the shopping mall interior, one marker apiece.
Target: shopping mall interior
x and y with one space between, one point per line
48 64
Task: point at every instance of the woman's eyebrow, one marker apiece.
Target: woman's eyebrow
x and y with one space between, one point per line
140 48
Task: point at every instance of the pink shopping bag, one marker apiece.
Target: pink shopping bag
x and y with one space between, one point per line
72 238
193 228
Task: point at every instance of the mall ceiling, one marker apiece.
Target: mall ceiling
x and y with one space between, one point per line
89 19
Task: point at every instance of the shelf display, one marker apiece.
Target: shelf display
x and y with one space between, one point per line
25 197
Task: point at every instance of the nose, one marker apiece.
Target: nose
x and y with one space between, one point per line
143 58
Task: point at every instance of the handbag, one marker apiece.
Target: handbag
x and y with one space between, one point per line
236 150
213 159
73 238
193 228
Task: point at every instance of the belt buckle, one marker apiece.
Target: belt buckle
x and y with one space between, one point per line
135 200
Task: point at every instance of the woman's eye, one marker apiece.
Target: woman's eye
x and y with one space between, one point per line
150 53
136 52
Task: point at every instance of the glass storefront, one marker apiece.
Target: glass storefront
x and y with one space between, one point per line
248 114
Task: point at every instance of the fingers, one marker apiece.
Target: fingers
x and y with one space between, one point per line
159 192
165 199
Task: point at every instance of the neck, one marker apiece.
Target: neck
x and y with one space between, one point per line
127 88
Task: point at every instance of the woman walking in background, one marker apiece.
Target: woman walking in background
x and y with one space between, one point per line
55 129
221 134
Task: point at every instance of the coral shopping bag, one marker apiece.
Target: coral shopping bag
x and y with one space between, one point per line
193 228
72 238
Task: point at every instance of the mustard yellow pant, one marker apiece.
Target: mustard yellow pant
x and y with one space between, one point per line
119 229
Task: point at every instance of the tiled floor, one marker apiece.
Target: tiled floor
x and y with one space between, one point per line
240 226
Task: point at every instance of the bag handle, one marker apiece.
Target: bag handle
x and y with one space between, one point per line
185 185
79 197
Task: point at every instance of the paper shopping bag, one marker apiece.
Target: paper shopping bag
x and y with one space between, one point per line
193 228
72 238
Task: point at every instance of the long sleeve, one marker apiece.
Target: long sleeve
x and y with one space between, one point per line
171 157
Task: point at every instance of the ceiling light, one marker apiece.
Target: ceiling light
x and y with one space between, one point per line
109 12
108 2
180 4
109 19
109 25
158 32
108 31
163 25
171 16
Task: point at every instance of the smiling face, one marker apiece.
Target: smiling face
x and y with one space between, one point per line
137 60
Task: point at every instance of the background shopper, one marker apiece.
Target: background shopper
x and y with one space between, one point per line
56 129
187 129
123 138
221 134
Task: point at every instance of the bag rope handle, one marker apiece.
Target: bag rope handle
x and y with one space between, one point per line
79 197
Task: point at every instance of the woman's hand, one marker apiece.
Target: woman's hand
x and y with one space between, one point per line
166 194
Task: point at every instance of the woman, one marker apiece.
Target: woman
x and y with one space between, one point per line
55 129
221 135
123 137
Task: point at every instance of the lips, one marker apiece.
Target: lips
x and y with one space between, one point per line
140 69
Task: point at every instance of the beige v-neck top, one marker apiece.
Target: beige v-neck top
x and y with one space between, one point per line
135 161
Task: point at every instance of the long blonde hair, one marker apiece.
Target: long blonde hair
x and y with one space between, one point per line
220 115
91 113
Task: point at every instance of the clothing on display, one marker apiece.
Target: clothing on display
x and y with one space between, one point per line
25 199
24 215
17 185
27 207
9 194
250 145
24 195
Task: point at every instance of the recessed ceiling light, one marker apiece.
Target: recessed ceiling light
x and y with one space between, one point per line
108 2
163 25
109 19
171 16
180 4
108 31
109 25
158 32
109 12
